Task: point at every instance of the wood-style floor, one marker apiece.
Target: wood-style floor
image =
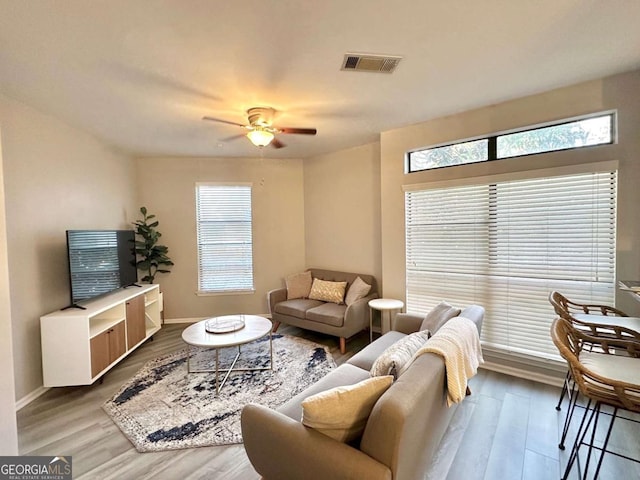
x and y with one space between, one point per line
507 429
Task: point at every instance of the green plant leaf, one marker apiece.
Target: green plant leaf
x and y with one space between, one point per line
150 254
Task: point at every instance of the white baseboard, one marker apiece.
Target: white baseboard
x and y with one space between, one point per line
27 399
183 320
521 373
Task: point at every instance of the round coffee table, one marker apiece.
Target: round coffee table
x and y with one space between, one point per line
255 327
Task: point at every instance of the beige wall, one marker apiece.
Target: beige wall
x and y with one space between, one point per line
56 178
621 92
618 92
342 210
8 426
167 188
326 211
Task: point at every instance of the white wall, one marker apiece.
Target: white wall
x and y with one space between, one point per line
167 188
56 178
8 427
618 92
342 210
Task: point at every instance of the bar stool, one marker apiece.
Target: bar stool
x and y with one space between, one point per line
596 320
604 377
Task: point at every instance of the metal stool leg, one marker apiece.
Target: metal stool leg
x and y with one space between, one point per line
573 400
606 441
565 389
594 418
596 411
582 431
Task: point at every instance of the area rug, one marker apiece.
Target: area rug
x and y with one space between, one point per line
165 408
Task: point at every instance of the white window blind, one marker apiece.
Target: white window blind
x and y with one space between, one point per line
225 247
506 245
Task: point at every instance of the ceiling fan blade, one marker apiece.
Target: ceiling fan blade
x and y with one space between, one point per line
212 119
303 131
232 137
275 143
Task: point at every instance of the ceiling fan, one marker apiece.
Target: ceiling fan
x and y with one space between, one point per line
261 132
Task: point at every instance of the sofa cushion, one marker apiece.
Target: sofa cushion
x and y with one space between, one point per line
358 289
345 374
438 316
365 357
342 412
296 308
298 285
400 354
327 291
327 313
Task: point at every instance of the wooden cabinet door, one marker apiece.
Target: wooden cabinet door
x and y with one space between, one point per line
107 347
136 330
117 344
99 353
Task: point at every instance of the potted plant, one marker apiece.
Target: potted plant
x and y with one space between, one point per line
152 257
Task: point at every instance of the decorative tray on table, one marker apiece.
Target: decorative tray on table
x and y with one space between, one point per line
226 324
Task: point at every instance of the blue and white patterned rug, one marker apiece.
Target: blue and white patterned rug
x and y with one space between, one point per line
164 408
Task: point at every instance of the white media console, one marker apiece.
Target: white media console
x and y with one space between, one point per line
79 346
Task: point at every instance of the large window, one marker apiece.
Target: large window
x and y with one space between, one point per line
506 244
584 132
225 249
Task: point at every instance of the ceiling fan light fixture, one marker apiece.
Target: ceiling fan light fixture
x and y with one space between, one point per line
260 137
260 131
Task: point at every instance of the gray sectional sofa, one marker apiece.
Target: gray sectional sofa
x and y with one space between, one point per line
401 435
330 318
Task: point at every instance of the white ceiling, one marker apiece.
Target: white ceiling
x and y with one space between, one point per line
140 74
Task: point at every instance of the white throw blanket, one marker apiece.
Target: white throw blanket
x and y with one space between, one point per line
458 342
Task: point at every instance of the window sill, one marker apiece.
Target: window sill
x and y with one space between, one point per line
225 292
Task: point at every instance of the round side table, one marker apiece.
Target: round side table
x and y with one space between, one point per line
387 305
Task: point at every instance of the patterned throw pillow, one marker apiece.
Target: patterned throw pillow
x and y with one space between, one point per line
396 356
327 291
342 412
358 289
298 285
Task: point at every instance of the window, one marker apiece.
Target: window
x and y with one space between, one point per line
580 133
225 247
506 244
449 155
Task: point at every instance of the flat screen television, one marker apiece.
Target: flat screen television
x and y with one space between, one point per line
100 261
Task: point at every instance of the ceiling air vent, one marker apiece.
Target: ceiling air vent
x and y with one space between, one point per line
370 63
